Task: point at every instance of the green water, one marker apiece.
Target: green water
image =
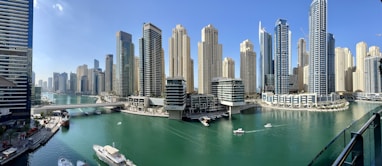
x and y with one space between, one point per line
295 139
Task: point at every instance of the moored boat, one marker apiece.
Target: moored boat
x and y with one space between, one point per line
81 163
111 156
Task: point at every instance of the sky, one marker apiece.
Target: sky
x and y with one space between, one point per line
70 33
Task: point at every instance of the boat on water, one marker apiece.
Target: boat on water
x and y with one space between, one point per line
65 118
97 112
64 162
268 125
204 120
239 131
81 163
9 152
111 156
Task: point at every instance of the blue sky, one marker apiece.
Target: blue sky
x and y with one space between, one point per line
69 33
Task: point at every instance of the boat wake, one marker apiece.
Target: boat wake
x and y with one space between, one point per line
254 131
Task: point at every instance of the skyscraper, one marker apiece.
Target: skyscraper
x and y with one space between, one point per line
151 68
331 65
16 26
228 68
56 82
82 73
179 56
136 75
73 82
266 60
373 81
96 64
50 84
282 46
63 79
109 73
125 65
318 74
248 66
100 82
359 74
302 62
343 70
210 59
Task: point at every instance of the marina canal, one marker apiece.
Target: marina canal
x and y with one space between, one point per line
295 138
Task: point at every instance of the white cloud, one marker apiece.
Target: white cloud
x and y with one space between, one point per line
58 7
35 3
379 34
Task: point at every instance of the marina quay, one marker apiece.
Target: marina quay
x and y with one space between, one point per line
308 101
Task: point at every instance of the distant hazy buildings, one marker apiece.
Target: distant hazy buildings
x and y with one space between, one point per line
248 66
73 82
82 76
318 74
343 70
124 75
63 79
209 59
50 84
331 66
100 82
303 60
266 60
281 57
151 68
109 73
56 77
179 56
228 68
359 74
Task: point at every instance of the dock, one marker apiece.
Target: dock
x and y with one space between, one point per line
35 141
207 116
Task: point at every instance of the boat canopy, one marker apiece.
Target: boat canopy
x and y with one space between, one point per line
111 149
9 151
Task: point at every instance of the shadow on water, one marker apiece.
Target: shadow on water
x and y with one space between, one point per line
251 111
49 157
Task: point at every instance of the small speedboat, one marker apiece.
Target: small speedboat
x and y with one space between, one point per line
81 163
268 125
64 162
238 131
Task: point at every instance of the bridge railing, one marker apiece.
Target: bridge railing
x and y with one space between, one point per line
347 144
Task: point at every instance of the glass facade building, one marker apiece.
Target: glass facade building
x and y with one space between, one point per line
16 30
124 75
281 45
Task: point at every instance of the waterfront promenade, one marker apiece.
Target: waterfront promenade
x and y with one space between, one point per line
31 143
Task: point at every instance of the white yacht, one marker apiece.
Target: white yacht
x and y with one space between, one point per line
238 131
268 125
111 156
64 162
81 163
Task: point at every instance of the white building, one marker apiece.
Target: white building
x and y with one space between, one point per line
248 66
359 74
228 68
343 70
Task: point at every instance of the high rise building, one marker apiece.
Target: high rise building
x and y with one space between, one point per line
82 73
16 26
96 64
302 62
373 81
374 51
56 82
318 74
39 83
180 56
63 79
282 46
266 60
343 70
50 84
109 73
100 82
73 82
136 75
33 78
248 66
359 74
228 68
124 75
210 59
331 65
151 68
